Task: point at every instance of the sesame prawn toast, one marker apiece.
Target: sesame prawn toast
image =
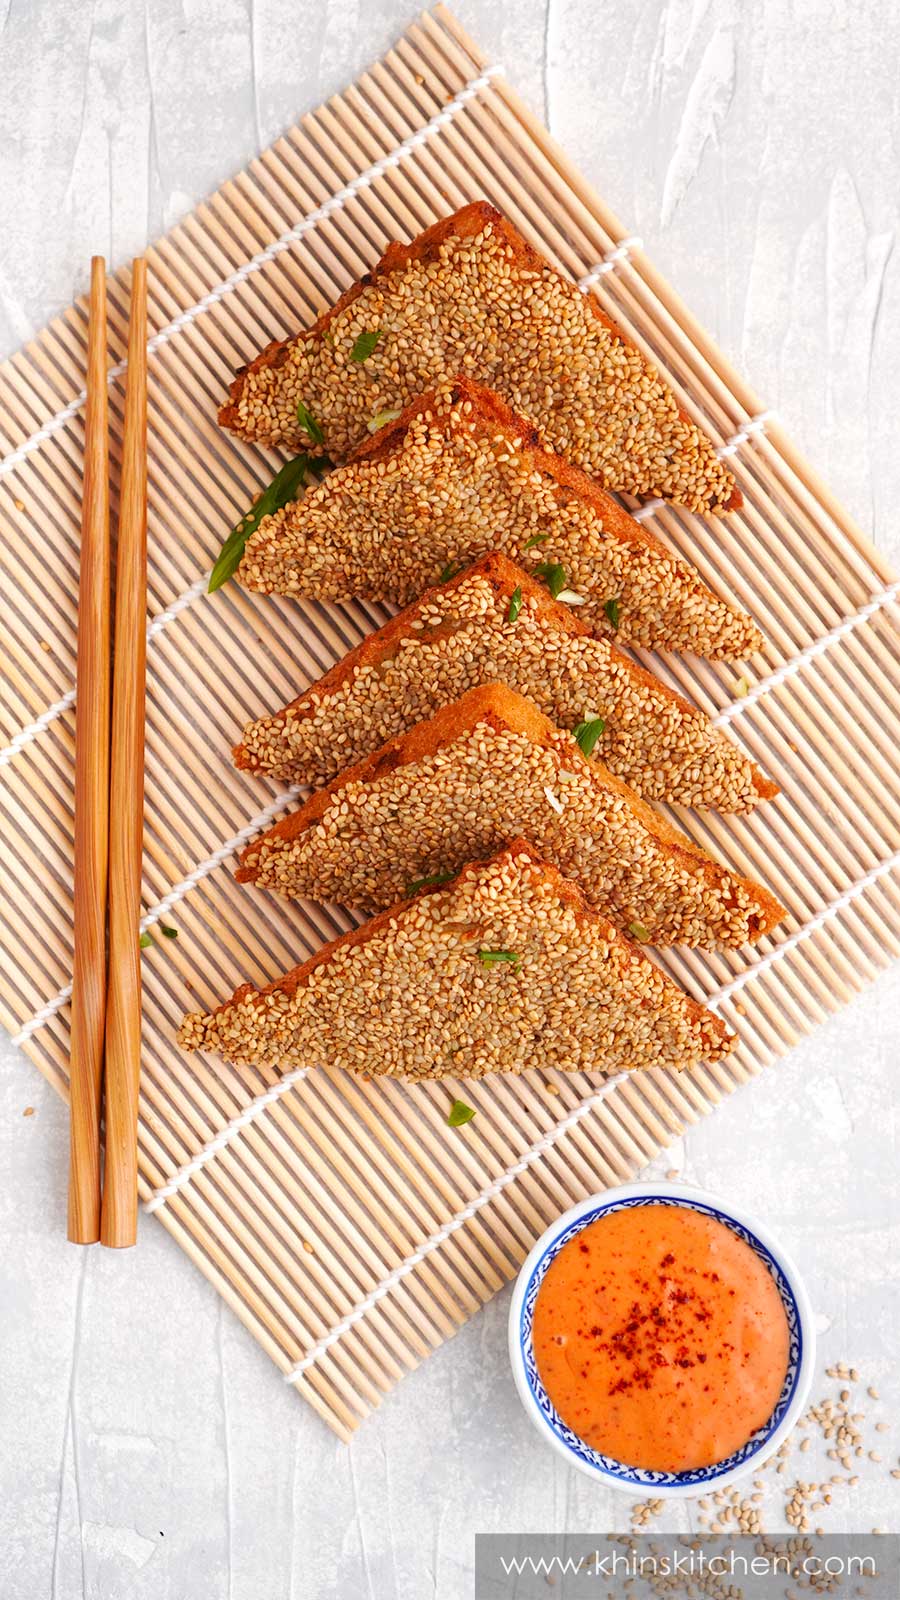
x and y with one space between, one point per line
505 967
458 474
493 621
470 294
484 770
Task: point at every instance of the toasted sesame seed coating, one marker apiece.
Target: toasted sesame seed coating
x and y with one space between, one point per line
461 477
483 770
472 297
408 995
461 634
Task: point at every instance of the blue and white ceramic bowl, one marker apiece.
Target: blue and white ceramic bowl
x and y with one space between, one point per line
537 1403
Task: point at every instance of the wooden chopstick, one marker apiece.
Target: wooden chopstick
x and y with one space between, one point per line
118 1225
91 791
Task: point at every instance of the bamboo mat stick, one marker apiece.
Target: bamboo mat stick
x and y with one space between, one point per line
91 792
123 1028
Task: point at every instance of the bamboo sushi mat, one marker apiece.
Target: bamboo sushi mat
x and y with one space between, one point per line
346 1225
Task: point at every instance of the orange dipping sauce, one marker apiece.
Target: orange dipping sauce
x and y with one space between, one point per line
661 1338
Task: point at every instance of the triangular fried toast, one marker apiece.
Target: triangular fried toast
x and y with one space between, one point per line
505 967
471 295
484 770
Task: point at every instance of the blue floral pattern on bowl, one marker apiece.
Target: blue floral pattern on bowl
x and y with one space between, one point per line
640 1476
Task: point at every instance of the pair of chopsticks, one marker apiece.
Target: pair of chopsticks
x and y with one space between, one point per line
109 795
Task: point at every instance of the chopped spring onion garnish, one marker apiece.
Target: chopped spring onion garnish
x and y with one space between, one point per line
536 538
555 574
570 597
494 958
639 932
427 883
145 941
382 418
459 1113
741 688
451 570
309 424
611 607
553 800
364 344
515 604
168 933
284 487
587 734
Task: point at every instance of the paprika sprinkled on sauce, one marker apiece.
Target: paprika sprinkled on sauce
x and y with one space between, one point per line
661 1338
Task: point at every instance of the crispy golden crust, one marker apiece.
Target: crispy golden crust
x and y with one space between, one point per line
458 473
579 996
467 224
458 635
357 857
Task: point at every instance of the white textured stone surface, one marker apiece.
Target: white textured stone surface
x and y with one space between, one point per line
149 1449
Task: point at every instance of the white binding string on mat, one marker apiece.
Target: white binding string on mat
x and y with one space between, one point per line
321 213
176 893
612 259
161 620
757 424
32 730
222 1139
878 602
181 603
712 1001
